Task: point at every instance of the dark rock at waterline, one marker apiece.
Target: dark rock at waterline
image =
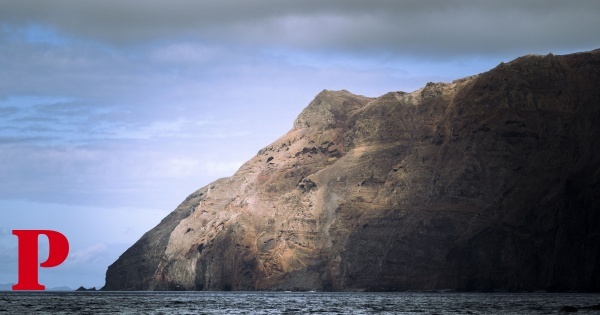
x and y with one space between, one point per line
489 183
569 309
573 309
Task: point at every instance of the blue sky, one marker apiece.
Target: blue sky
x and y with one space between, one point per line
112 112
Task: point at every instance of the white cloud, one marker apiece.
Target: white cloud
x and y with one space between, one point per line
89 255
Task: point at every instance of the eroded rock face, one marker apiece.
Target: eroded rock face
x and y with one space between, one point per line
491 182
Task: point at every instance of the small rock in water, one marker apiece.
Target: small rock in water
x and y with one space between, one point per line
569 309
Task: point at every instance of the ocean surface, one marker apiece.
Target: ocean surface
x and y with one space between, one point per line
291 303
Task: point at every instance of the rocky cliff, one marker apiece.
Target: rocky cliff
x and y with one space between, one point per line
491 182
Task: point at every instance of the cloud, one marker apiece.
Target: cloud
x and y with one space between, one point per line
428 28
89 255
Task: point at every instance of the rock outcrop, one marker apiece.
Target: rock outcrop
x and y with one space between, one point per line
491 182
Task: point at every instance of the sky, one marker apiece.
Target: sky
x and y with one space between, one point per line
112 112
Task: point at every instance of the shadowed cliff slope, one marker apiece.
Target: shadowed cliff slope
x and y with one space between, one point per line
491 182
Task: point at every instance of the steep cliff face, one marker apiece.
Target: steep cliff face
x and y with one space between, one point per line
491 182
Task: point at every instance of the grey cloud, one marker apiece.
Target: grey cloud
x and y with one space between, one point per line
428 28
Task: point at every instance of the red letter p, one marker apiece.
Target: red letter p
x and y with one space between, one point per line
28 256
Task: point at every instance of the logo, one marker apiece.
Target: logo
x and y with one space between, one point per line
28 265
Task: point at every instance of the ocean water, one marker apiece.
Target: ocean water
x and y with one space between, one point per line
290 303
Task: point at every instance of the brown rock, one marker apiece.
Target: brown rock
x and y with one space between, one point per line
491 182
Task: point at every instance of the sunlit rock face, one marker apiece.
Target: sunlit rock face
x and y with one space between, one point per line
491 182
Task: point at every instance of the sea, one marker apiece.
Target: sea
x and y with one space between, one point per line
294 303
